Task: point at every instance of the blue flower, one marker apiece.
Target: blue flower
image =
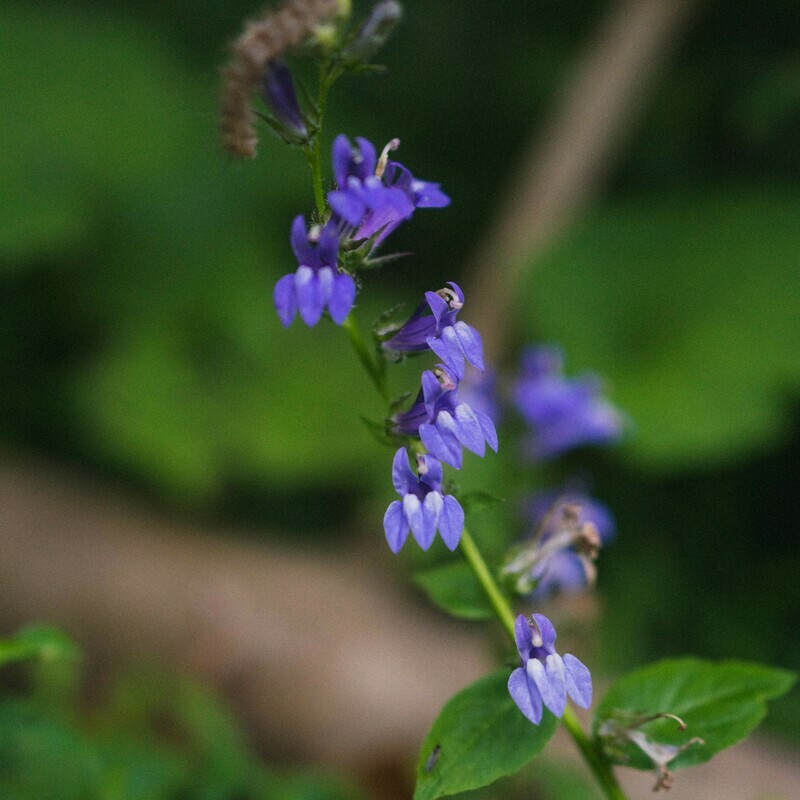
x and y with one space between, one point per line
423 508
563 413
569 528
317 284
374 195
443 423
277 90
454 342
545 678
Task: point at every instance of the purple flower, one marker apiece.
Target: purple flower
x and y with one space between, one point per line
454 342
569 530
423 508
563 413
443 423
317 284
545 678
277 90
374 195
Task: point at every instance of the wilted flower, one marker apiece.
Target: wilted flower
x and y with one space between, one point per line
453 341
545 677
423 508
443 423
374 30
569 527
563 413
317 284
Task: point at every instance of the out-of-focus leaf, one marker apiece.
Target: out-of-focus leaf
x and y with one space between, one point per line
455 590
720 702
689 308
37 641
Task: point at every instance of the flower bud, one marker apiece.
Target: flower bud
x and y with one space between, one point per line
277 91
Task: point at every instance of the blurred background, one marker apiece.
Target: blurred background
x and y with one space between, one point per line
187 489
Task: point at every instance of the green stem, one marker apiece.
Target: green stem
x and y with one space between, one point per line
350 326
314 150
599 766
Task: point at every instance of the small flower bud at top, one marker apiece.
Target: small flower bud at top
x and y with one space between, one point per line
278 93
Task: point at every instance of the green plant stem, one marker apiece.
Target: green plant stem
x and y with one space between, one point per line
313 150
350 326
599 766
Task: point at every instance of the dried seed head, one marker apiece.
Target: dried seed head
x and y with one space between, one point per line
262 41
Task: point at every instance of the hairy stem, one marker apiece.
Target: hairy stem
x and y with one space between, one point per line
599 766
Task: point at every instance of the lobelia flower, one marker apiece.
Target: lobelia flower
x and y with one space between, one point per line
545 678
374 30
373 196
443 423
570 527
317 284
423 508
277 90
453 341
563 412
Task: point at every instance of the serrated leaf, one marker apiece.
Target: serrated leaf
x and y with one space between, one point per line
481 736
36 641
720 702
454 589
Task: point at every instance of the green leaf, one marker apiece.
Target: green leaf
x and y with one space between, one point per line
480 736
36 641
720 702
477 501
688 306
453 588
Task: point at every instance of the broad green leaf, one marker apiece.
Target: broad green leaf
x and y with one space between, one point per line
455 590
688 306
36 641
479 736
720 702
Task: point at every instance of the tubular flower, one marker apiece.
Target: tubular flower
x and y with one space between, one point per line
443 423
545 678
563 413
454 342
317 284
374 195
423 508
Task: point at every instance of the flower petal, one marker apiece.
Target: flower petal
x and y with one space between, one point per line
436 444
547 631
342 298
524 638
412 508
471 344
341 155
447 428
525 694
395 525
303 251
448 348
468 430
488 429
431 511
285 300
451 522
348 204
579 681
306 288
438 306
550 681
403 479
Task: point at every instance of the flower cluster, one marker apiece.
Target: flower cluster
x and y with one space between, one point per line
372 197
443 423
545 678
562 413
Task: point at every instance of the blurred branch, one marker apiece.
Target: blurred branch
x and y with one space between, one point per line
571 154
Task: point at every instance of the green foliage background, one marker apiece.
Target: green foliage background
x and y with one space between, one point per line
137 336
